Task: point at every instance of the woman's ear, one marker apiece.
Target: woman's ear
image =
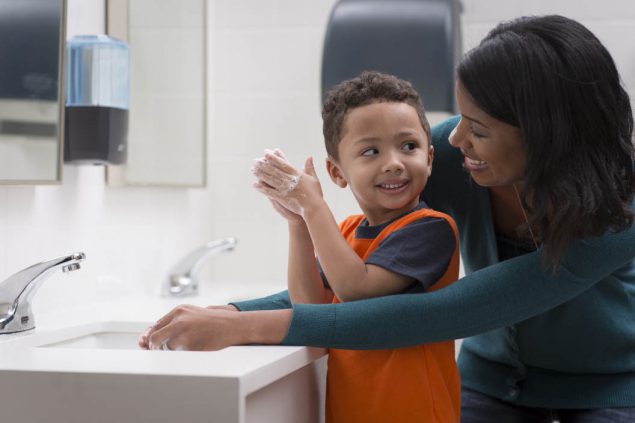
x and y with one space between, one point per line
334 171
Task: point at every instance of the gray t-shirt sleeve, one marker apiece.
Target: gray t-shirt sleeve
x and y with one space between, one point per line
421 250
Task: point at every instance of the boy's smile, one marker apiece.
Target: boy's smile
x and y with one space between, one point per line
385 157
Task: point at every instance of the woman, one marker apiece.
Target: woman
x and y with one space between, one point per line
539 175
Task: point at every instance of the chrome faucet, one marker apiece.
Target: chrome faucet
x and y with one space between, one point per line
183 280
17 291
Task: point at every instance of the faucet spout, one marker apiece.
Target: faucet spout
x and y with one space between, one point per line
183 280
17 291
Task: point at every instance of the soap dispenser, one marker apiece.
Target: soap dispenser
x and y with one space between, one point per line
97 100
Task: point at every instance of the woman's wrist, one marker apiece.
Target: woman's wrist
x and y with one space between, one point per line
267 327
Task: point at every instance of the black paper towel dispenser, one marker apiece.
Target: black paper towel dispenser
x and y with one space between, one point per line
416 40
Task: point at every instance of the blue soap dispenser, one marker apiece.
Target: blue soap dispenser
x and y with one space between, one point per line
97 100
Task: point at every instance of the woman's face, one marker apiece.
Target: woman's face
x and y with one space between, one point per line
494 152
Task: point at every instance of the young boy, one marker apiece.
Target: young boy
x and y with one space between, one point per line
378 143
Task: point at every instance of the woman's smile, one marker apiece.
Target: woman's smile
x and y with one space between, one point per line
474 165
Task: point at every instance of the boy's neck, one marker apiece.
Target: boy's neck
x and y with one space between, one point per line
380 217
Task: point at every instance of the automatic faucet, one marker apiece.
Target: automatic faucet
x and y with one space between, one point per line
183 280
17 291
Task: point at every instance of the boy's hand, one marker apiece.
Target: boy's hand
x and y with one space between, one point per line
293 218
291 188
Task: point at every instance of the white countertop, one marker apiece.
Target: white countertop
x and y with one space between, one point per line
253 367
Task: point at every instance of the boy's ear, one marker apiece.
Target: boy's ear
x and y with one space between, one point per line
430 159
335 173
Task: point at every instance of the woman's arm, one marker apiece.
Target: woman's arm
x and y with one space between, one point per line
493 297
499 295
194 328
275 301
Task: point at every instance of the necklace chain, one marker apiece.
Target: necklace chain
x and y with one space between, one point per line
533 238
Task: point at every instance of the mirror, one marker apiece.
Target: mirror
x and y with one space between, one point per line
31 90
167 134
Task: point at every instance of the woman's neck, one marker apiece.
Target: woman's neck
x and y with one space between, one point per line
507 212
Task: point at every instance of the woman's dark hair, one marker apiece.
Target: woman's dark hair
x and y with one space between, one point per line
366 88
554 80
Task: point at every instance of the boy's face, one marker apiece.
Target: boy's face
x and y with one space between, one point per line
386 158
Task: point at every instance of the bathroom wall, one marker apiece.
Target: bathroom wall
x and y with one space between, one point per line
264 79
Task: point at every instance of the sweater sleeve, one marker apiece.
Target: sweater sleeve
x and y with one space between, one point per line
496 296
272 302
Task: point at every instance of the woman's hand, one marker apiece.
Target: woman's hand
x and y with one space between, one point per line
291 188
144 342
189 327
194 328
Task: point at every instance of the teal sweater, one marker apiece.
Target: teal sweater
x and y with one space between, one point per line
537 339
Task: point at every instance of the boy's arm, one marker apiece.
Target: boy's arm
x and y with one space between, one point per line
303 278
349 276
300 193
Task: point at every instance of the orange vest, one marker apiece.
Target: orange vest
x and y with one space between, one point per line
415 384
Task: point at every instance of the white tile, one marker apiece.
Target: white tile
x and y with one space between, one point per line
491 10
264 93
271 13
498 10
266 60
85 17
306 12
245 13
246 125
166 13
234 195
246 61
579 10
4 221
261 253
616 37
156 121
167 61
474 33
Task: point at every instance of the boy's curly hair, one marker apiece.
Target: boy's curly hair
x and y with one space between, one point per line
366 88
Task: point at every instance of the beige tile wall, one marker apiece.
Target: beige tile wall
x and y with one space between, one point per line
264 71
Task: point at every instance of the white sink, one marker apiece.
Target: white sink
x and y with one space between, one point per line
110 335
104 340
87 359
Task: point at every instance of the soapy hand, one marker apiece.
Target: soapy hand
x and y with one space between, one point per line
286 186
293 218
275 170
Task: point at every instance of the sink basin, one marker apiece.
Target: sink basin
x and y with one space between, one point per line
104 340
99 335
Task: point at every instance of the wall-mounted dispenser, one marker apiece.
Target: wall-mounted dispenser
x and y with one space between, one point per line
97 100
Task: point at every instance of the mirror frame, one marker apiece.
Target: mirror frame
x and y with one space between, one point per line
61 101
117 26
